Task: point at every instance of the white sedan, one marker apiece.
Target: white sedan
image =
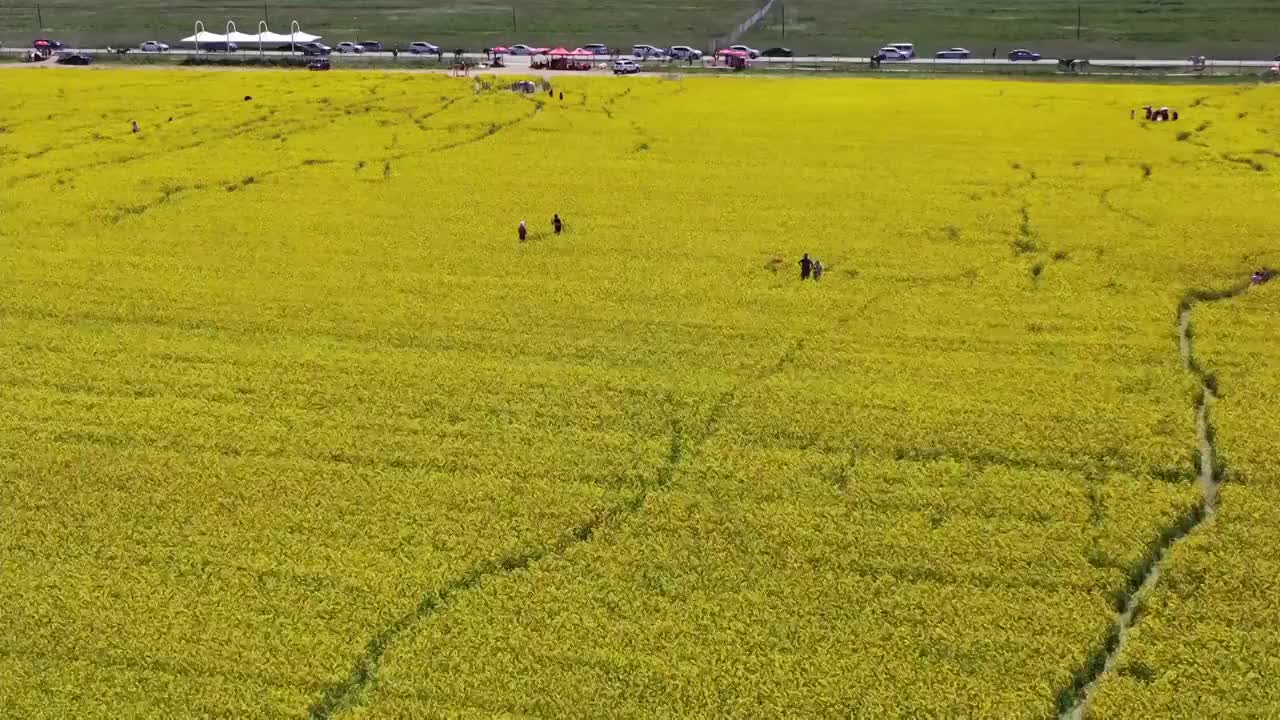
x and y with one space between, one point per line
153 46
892 53
350 47
750 51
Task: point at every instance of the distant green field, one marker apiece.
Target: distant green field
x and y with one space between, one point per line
1111 28
1107 28
447 23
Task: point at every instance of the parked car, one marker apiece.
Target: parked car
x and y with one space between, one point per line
1022 54
522 50
684 52
648 51
74 59
319 64
888 52
43 44
777 52
423 48
153 46
625 67
315 48
751 52
597 49
371 46
350 47
953 54
218 47
906 49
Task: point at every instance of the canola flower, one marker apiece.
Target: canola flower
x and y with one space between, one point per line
294 426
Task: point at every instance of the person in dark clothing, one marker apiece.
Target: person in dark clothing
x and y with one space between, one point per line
135 126
562 96
524 231
557 224
806 267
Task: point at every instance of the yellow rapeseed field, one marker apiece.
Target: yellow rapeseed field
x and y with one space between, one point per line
291 424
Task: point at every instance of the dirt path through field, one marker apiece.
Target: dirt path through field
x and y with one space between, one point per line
1074 702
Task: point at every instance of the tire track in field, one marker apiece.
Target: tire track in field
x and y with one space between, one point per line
684 446
1073 700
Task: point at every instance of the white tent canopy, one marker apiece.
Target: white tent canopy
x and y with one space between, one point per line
266 38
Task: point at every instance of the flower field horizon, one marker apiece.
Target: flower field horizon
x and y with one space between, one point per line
296 426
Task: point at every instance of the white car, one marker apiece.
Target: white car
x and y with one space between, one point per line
626 67
892 53
521 50
906 49
750 51
648 51
684 52
952 54
423 48
350 47
153 46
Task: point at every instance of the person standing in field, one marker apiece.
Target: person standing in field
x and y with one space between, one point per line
523 231
817 270
557 224
806 267
135 126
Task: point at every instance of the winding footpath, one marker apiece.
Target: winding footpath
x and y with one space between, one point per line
1075 701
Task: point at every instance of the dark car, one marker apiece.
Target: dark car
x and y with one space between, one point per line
314 48
74 59
1020 54
371 46
777 52
321 64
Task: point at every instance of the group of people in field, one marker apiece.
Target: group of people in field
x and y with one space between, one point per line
810 268
557 226
1262 275
1163 114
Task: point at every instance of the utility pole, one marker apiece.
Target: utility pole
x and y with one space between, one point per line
265 17
784 21
513 20
1078 15
39 18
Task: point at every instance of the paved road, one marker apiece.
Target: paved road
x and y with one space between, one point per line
516 61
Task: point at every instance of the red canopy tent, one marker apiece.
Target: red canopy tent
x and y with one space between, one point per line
579 52
556 52
499 50
735 59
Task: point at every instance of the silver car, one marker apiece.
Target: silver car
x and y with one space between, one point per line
648 51
350 47
952 54
684 52
153 46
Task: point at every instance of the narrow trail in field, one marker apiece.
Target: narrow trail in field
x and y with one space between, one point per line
1073 701
684 446
745 26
